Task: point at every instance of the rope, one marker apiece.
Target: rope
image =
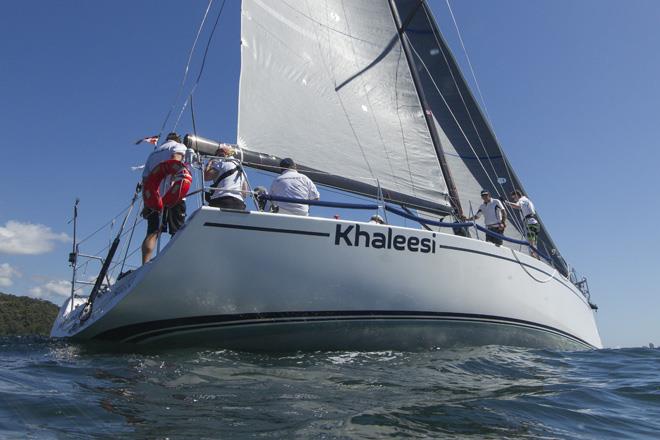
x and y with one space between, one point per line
513 252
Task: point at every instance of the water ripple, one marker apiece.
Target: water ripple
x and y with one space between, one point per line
52 389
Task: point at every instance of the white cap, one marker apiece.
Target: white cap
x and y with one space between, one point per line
179 149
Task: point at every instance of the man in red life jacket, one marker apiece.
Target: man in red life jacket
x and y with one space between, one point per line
172 218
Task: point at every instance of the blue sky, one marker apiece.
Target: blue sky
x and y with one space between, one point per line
572 89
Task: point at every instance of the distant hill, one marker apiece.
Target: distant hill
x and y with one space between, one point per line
20 315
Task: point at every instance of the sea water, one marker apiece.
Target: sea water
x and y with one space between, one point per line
55 389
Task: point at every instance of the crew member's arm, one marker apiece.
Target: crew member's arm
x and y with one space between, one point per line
210 173
313 192
515 205
503 216
474 217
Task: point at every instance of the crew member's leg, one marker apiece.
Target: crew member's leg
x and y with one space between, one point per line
150 241
495 240
532 236
176 217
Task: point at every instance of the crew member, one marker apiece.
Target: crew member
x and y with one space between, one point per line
172 218
292 184
377 219
229 184
529 213
494 216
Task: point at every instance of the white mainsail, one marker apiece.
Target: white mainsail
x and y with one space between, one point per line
328 84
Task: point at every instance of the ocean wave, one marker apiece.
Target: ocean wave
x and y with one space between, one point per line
56 389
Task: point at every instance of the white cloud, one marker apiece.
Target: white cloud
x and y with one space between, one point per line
7 272
54 289
28 238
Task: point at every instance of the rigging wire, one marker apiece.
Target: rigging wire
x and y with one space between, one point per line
474 77
186 71
105 225
201 69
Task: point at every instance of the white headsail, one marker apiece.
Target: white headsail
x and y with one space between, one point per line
327 83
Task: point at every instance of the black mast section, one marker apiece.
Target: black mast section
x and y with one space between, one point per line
426 108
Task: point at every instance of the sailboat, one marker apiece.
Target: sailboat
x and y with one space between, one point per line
369 100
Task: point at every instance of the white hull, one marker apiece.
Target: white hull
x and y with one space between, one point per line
261 281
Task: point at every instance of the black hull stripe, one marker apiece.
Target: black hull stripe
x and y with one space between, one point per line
257 228
453 248
143 331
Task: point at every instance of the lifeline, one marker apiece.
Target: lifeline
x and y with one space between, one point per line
353 236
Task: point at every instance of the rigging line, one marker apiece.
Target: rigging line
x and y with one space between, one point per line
483 101
474 76
186 70
371 107
109 222
110 244
201 69
514 253
460 94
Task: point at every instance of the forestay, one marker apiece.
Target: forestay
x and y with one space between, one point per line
327 83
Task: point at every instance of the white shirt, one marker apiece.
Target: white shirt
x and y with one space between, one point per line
527 208
294 185
161 154
231 185
492 212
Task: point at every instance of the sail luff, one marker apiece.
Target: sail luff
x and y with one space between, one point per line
401 30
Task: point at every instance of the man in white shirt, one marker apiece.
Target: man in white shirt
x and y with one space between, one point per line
292 184
529 213
229 184
494 216
172 218
377 219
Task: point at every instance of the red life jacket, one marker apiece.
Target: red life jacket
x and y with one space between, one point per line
181 181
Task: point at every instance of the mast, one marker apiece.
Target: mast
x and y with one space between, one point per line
428 115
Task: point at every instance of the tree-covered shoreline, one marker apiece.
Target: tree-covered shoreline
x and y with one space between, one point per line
20 315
